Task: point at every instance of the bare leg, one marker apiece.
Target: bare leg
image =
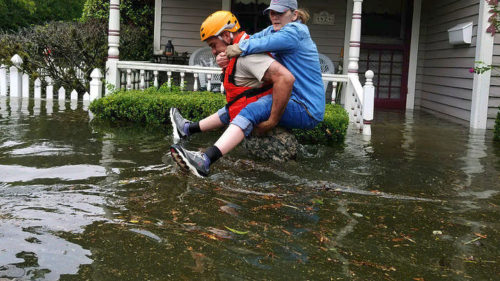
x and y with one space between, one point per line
230 139
212 122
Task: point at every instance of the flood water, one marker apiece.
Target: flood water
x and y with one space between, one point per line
83 200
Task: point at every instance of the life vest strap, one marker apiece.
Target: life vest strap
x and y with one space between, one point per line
250 93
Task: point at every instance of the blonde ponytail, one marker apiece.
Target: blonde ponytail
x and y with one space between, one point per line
303 16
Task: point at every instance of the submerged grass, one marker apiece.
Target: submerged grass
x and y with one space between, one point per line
152 105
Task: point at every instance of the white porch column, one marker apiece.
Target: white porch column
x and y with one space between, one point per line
354 50
112 74
481 84
355 41
415 40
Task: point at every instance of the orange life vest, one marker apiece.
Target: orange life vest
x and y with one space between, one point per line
238 97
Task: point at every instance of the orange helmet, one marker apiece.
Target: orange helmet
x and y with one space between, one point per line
218 22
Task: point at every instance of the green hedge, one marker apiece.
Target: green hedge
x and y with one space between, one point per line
496 135
152 107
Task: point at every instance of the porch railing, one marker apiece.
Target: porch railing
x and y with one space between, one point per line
358 100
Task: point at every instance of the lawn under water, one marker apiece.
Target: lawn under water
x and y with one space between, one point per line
79 200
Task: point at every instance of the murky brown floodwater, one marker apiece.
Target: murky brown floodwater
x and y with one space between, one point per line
80 201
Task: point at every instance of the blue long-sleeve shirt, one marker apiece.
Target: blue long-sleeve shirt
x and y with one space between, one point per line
293 47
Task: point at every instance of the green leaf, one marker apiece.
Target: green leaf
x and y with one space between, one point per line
236 231
317 201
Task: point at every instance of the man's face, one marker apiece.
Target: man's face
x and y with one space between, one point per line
218 46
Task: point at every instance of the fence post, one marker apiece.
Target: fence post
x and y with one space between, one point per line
38 88
16 85
49 92
26 86
96 84
369 102
3 80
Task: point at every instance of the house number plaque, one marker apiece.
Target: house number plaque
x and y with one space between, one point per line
324 18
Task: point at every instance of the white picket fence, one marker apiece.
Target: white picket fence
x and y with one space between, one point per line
15 83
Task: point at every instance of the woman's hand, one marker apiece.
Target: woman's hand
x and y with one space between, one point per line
233 51
222 60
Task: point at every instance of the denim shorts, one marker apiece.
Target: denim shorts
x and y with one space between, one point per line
295 115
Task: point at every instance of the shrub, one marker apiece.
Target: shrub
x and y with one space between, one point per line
332 129
59 50
62 49
152 105
496 132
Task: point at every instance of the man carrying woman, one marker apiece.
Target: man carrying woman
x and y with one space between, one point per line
301 106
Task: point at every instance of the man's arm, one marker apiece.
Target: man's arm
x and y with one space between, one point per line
282 81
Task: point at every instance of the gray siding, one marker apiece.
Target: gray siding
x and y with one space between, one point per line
444 84
181 20
494 101
328 38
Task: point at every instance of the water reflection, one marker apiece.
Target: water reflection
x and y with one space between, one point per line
49 106
408 144
476 150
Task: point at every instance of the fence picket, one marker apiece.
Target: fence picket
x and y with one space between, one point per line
26 85
38 89
49 92
3 80
61 94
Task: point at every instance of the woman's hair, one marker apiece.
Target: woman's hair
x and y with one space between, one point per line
303 16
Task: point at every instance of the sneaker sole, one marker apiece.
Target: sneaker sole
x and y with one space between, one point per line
183 162
175 130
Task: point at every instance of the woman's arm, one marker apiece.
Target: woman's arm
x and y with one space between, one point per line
262 33
285 39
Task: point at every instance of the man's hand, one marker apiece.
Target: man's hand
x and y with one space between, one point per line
233 51
222 60
282 81
264 127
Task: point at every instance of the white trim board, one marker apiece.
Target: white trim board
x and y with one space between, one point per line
415 40
157 28
481 84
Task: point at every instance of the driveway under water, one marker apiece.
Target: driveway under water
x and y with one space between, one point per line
79 200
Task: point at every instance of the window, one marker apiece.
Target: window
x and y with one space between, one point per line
249 13
383 18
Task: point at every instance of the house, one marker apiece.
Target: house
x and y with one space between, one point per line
406 43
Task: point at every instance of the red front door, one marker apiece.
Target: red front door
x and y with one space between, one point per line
385 45
390 65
